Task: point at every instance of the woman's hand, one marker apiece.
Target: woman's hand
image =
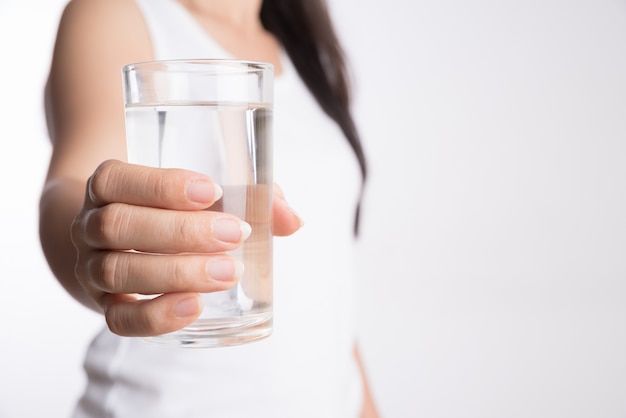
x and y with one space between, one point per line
144 230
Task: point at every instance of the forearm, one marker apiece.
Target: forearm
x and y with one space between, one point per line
60 201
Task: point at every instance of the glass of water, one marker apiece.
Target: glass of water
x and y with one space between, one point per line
213 117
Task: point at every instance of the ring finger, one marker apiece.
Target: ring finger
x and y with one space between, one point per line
120 272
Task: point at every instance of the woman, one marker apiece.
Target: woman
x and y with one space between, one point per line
92 200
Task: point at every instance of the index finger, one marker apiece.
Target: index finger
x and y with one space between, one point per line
166 188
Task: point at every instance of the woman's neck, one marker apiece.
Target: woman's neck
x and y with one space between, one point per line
241 14
236 26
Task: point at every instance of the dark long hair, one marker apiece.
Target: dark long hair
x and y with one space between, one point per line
305 30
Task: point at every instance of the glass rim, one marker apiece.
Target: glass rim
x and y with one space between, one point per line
247 65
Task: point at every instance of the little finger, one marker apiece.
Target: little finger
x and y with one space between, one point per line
127 316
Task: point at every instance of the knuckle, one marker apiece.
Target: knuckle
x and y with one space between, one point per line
166 186
148 324
180 273
106 225
118 324
130 321
187 229
100 180
108 271
158 184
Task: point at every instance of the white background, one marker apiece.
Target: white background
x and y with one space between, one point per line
494 240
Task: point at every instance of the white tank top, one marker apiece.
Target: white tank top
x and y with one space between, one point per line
306 368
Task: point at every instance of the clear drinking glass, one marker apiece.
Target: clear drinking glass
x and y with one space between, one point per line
213 117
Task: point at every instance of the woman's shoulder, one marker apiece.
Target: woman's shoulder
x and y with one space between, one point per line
102 20
103 29
79 7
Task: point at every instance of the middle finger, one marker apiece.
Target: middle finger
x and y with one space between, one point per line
119 226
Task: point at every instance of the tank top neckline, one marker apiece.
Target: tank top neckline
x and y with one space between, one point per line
285 62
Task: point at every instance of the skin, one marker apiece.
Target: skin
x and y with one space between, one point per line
95 207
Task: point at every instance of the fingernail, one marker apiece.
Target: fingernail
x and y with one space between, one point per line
187 307
231 230
224 270
203 191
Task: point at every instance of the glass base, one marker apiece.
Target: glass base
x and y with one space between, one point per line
219 332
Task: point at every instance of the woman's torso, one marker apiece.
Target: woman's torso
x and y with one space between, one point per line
306 368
